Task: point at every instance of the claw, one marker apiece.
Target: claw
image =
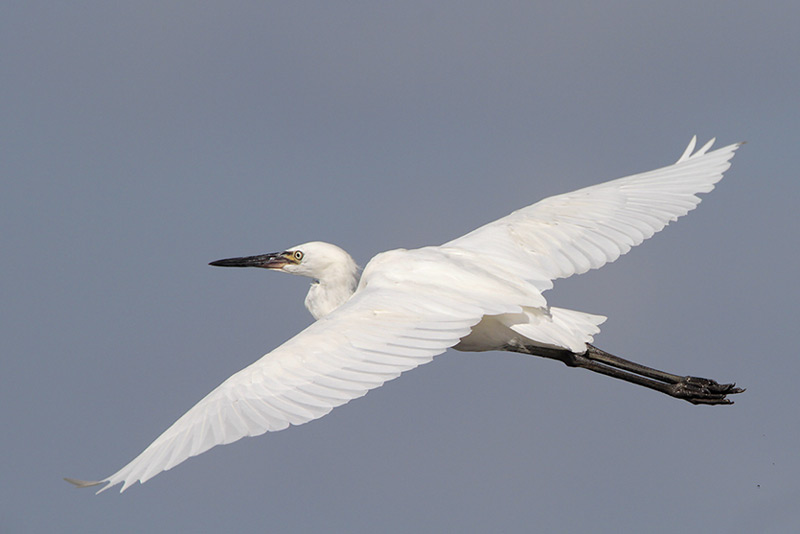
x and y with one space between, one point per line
703 391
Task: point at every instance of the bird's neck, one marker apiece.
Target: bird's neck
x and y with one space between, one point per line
327 294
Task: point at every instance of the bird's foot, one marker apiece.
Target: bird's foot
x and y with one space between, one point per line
703 390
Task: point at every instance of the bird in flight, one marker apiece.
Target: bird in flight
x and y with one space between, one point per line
479 292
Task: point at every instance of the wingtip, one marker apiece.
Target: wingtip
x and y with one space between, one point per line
689 149
690 153
83 483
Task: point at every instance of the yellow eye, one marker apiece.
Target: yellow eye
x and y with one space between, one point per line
298 255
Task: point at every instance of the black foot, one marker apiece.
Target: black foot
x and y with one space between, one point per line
702 390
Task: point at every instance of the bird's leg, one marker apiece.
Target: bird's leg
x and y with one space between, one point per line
689 388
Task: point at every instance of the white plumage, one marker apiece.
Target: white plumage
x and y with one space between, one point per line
482 291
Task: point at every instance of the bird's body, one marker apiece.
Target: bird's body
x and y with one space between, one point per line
482 291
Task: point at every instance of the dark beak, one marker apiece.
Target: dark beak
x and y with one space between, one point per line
276 260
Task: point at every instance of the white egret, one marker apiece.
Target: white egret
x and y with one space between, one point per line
480 292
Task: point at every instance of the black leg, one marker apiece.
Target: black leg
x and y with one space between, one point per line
689 388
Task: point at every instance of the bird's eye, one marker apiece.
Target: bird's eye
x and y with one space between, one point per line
298 255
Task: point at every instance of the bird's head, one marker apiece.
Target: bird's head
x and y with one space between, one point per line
318 260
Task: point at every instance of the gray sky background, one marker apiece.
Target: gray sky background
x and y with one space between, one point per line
142 140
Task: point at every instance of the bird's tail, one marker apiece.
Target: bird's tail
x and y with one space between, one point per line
559 328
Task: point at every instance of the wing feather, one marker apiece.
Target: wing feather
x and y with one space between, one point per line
585 229
335 360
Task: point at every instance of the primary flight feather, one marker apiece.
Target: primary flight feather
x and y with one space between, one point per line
479 292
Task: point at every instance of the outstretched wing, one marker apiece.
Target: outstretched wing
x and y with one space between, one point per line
400 318
585 229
